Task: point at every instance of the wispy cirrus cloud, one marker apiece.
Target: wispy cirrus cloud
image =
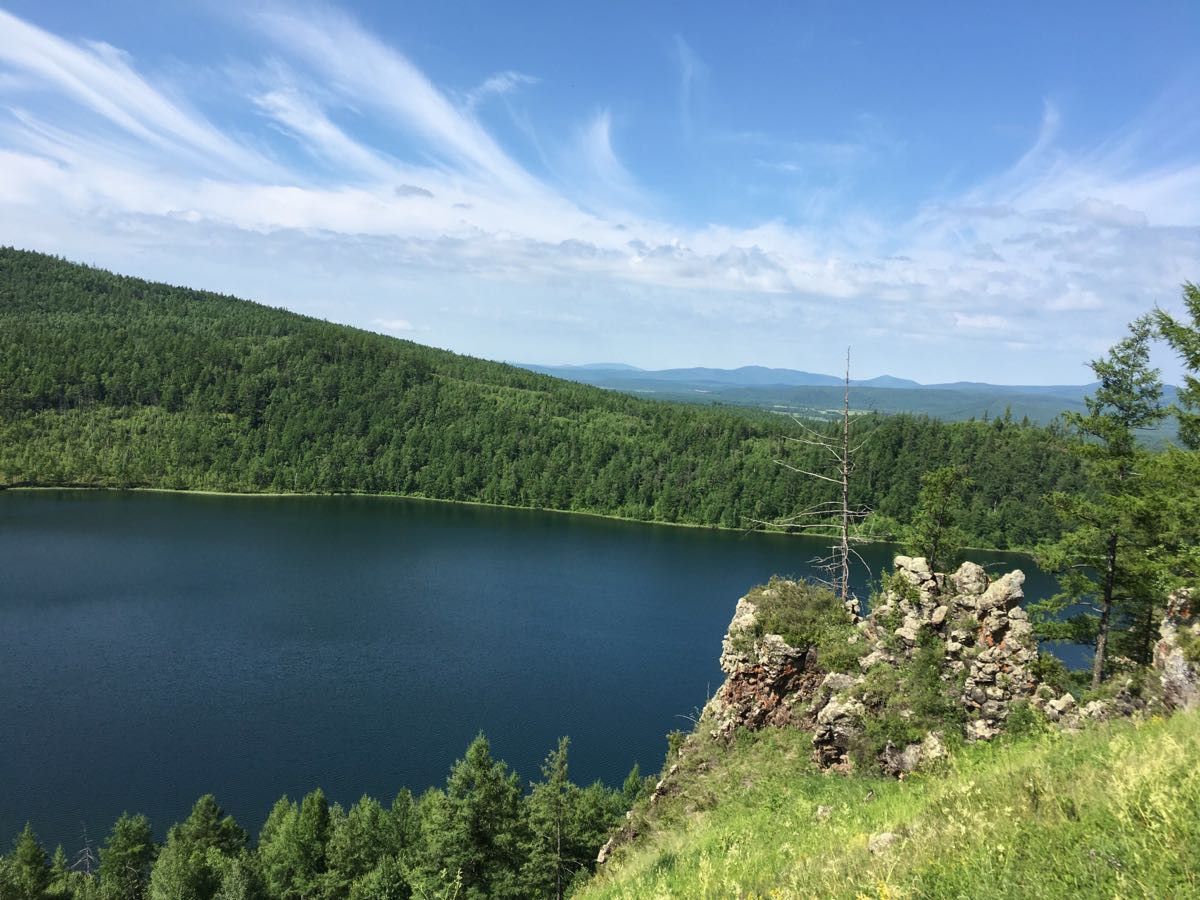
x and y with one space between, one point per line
366 166
498 85
367 71
99 77
693 73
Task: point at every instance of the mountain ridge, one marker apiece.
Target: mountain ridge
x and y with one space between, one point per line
774 376
815 395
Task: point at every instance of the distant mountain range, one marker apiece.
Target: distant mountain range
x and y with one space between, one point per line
815 394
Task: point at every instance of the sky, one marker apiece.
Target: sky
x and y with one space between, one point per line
955 191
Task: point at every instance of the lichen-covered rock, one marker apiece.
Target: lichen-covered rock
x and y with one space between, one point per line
914 757
970 579
839 724
1179 670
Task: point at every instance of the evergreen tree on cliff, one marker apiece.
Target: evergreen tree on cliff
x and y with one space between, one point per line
935 533
1185 340
1101 559
1175 475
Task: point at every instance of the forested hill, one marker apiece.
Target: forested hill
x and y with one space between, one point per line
114 381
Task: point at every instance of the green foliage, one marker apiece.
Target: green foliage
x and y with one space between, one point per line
1189 645
240 877
1184 339
675 742
565 826
480 837
634 786
291 846
1049 670
1024 720
935 532
907 702
126 857
474 829
358 843
1103 559
116 382
806 615
26 873
191 864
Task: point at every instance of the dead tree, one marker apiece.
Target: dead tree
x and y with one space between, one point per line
86 860
836 517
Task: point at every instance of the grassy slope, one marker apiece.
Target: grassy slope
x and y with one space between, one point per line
1114 811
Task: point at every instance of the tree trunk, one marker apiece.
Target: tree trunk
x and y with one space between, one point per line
1110 577
845 548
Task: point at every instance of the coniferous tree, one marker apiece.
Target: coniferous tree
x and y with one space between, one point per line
1184 339
126 858
358 842
935 532
61 887
1098 559
292 846
1173 477
551 805
190 864
240 877
472 832
26 874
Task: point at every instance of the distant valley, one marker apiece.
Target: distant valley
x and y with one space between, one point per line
817 395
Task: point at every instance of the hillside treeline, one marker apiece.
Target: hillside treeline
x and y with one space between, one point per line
110 381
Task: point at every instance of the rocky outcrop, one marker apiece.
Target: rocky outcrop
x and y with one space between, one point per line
766 679
987 638
985 653
969 627
973 626
1177 653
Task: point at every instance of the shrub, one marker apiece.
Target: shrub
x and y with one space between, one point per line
807 615
907 702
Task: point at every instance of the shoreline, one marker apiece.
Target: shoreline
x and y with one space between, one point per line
483 503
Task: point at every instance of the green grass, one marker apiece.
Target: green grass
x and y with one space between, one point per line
1111 812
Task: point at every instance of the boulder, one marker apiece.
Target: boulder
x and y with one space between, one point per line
970 579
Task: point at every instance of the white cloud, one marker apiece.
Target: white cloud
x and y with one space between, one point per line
1057 238
394 324
371 73
497 86
606 184
99 77
985 322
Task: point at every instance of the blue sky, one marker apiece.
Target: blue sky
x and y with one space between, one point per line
988 192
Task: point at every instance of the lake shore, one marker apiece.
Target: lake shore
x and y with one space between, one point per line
480 503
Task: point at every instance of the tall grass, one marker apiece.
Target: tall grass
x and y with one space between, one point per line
1111 812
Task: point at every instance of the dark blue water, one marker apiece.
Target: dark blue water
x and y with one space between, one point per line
154 647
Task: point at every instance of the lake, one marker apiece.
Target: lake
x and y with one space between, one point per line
155 647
